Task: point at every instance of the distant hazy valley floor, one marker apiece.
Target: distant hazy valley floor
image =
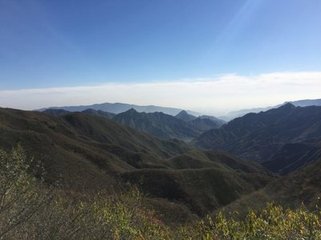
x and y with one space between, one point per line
137 175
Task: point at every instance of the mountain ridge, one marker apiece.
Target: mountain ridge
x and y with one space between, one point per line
158 124
117 108
259 136
298 103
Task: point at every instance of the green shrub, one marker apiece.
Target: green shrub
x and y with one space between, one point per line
31 210
273 222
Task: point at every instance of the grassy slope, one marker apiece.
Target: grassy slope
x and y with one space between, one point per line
80 147
293 190
90 152
157 124
202 180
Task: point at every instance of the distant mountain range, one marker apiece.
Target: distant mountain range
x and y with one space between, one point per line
204 123
158 124
201 123
242 112
117 108
183 126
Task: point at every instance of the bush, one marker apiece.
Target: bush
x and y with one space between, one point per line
31 210
20 194
273 222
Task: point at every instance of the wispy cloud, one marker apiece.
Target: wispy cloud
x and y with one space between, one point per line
213 95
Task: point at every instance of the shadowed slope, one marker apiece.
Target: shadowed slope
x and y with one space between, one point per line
299 187
88 152
157 124
76 144
203 181
261 136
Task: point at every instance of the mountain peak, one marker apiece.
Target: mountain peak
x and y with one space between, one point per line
132 110
158 124
185 116
182 112
287 105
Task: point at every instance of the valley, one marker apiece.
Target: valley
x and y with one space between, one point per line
180 166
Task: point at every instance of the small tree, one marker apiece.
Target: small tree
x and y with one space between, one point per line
20 194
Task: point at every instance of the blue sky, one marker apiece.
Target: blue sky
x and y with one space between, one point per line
71 43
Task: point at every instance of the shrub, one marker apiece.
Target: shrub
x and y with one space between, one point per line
31 210
273 222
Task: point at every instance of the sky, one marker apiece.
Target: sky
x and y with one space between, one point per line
212 56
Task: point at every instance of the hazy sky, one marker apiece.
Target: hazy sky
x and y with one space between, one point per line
209 55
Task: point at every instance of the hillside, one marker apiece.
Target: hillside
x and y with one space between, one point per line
201 123
32 210
104 114
56 112
293 156
157 124
85 152
293 190
203 181
60 112
302 186
80 147
183 126
263 136
205 123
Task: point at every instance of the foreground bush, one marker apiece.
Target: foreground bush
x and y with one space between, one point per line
28 210
31 210
273 222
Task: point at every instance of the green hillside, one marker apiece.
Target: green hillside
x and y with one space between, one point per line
83 150
157 124
86 152
267 137
30 209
